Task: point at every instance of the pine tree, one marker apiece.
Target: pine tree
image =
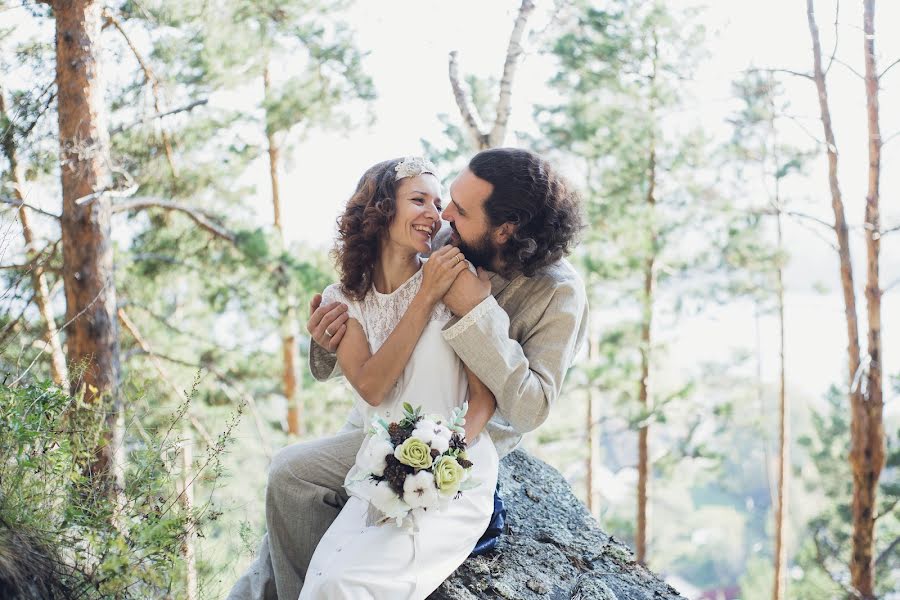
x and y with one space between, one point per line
621 73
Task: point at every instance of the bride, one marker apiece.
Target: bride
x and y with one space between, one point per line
392 353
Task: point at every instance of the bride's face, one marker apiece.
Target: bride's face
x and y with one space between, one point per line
418 214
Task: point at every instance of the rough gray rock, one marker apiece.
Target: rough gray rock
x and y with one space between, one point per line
553 548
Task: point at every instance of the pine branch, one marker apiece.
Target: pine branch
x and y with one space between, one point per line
130 327
820 561
851 69
150 76
887 551
18 203
463 102
887 68
889 510
201 218
837 12
145 120
799 215
513 52
10 327
25 131
785 71
60 330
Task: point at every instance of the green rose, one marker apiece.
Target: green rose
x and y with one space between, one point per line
448 475
415 453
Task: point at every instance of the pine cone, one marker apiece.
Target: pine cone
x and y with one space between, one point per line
398 434
395 474
465 464
435 453
457 442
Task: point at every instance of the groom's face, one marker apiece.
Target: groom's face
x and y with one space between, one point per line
472 231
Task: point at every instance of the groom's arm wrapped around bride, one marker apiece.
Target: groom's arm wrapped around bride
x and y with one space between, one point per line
519 340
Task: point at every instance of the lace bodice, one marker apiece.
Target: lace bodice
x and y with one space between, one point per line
380 313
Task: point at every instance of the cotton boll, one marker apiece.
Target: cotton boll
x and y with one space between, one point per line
388 502
371 457
419 490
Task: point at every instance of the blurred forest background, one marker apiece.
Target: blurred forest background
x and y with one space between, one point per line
170 174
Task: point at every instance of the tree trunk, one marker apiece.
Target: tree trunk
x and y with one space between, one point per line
784 456
513 52
643 398
783 435
481 139
837 205
87 249
186 498
288 314
644 384
591 427
647 319
58 371
867 451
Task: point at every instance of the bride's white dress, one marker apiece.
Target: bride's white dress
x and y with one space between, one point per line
359 561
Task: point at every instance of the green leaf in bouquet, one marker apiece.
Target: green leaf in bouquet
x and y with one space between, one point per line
469 484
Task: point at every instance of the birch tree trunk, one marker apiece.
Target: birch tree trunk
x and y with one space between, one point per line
58 370
496 134
87 248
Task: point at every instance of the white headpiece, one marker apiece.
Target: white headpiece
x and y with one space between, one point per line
412 166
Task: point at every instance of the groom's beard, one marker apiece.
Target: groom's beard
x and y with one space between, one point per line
481 253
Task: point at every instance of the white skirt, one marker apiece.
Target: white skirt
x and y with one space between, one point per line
355 561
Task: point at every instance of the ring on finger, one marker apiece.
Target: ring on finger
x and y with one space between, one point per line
458 259
328 333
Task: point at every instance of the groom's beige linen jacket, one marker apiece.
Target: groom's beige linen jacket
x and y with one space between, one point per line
520 341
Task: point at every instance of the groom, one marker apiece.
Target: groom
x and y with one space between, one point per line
517 325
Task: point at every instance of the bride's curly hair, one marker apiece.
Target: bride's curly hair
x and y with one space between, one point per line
363 224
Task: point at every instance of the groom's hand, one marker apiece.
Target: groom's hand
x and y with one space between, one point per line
327 323
468 291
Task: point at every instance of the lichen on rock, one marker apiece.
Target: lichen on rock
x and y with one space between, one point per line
553 548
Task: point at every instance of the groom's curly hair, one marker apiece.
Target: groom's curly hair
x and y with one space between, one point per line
365 221
543 207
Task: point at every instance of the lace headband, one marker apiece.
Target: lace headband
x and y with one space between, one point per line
412 166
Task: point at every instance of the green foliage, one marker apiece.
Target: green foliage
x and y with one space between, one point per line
99 544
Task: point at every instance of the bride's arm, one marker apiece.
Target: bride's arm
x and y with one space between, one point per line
482 405
373 375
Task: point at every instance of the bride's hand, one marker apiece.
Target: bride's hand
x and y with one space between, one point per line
440 271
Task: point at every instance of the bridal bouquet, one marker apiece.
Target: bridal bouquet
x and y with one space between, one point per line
417 463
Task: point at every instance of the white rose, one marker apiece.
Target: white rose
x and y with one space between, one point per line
419 490
371 457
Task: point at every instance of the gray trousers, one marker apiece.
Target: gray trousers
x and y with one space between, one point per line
304 495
